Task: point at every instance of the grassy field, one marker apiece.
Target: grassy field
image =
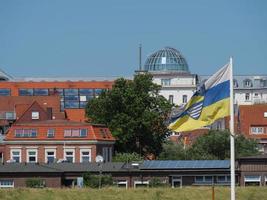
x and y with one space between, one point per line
188 193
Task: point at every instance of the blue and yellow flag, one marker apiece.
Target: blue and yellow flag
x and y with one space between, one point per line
210 102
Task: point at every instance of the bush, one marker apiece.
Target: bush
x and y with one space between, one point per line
35 183
93 180
156 182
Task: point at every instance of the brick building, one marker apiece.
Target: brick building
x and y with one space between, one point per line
74 92
252 123
36 136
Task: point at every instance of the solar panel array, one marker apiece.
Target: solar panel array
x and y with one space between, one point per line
185 164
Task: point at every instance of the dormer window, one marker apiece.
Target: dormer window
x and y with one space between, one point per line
35 115
247 83
235 83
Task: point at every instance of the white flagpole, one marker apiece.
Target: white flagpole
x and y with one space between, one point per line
232 136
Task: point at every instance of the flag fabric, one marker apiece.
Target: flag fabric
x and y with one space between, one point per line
210 102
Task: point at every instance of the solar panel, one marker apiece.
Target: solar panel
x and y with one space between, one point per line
185 164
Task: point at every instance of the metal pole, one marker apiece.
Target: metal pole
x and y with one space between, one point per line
140 57
232 135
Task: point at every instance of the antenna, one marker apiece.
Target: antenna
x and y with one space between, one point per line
140 57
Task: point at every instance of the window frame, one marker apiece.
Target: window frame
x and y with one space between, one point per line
28 156
73 154
12 156
89 156
46 154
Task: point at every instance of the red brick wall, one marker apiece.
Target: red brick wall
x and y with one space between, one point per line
41 151
253 115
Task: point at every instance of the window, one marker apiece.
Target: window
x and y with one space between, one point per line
171 99
265 114
70 92
50 155
71 104
6 183
203 179
16 155
35 115
10 115
85 155
32 155
98 92
247 96
122 183
107 154
4 92
184 98
86 92
75 132
69 155
51 133
25 92
165 82
83 132
253 180
58 91
247 83
40 92
257 130
223 179
25 133
141 184
235 83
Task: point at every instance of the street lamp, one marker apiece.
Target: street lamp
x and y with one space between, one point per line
99 160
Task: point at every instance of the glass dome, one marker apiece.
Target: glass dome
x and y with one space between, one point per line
166 60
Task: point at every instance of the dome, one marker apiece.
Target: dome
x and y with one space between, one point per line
166 60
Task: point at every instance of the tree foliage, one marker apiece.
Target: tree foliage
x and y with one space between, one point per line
135 113
213 145
126 157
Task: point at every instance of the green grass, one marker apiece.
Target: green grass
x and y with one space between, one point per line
186 193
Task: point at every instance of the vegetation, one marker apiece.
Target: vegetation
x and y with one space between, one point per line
94 181
35 183
135 113
213 145
156 182
187 193
126 157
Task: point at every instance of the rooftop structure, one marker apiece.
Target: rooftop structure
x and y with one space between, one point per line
166 60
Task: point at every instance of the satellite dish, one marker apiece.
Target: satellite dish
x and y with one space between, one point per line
99 159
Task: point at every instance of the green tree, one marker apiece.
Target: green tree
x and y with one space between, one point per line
126 157
173 151
135 113
213 145
216 145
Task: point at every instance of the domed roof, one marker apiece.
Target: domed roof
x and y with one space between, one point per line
166 60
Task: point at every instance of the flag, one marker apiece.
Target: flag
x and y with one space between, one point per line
210 102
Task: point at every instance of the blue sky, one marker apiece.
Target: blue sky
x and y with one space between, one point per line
101 38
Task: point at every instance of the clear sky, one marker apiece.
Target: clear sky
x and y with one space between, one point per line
100 38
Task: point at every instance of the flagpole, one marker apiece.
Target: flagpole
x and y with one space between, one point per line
232 135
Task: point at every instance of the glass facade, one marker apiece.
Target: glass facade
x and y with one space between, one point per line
70 98
5 92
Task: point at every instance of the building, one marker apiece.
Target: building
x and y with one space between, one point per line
37 137
173 173
170 70
74 92
252 122
248 89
